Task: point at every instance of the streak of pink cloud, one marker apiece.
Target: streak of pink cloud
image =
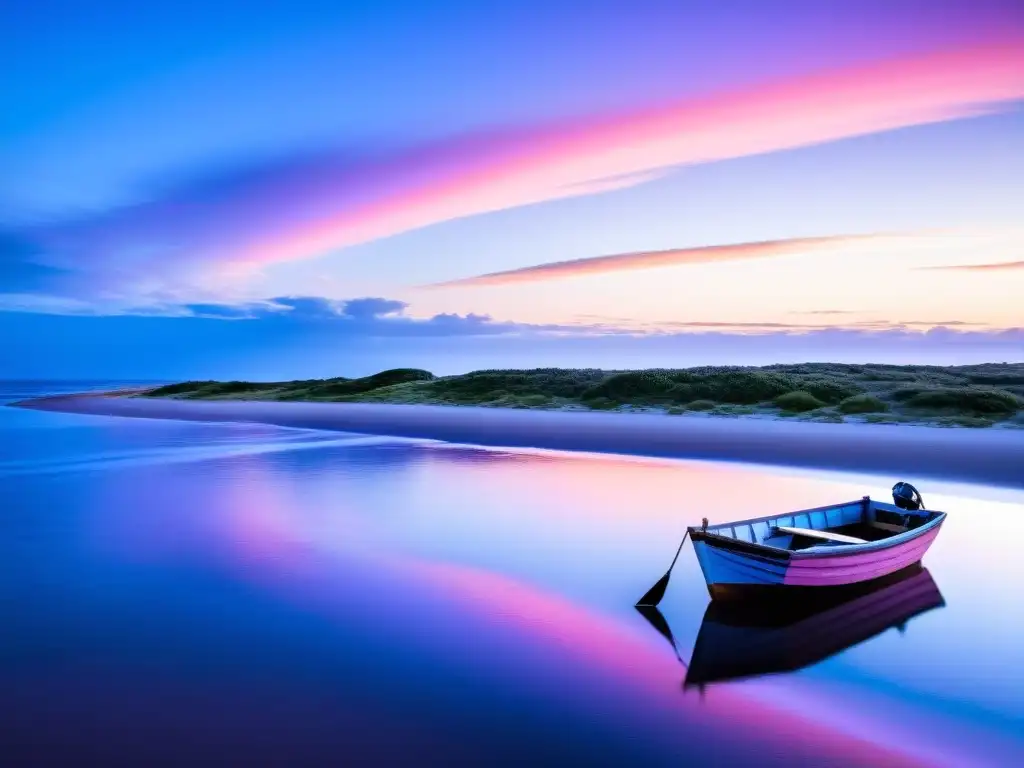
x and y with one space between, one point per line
620 262
1004 266
622 149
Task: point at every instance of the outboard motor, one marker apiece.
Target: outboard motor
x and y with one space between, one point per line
905 496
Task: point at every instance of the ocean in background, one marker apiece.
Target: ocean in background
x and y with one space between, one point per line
236 594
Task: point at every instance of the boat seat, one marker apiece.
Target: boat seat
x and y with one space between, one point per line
837 538
890 527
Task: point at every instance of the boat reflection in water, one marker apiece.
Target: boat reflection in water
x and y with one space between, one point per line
738 641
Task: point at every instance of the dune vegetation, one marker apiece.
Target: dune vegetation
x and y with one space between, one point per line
968 396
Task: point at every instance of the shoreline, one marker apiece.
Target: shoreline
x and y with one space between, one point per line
990 457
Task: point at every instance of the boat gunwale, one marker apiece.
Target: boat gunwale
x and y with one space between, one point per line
872 546
713 539
744 547
766 518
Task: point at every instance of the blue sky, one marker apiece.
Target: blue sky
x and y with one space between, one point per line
174 180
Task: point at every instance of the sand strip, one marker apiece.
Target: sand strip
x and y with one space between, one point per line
992 457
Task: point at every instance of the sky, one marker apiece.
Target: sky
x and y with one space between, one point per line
276 190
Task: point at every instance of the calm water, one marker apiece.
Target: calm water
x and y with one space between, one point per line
235 594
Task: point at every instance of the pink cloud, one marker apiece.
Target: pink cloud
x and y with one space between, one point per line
210 233
620 149
620 262
1006 266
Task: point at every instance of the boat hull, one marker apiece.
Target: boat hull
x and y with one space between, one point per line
738 569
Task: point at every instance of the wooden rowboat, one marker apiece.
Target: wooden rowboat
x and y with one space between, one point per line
833 546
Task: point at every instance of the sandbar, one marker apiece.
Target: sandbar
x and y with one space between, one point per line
903 452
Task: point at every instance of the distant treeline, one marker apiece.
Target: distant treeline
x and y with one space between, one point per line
970 395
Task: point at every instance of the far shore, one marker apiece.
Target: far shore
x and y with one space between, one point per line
903 452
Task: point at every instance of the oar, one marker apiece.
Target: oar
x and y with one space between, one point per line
656 620
655 593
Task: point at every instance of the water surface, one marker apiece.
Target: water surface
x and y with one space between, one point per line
176 592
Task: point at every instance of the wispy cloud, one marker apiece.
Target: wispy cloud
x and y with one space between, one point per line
825 312
553 162
865 326
366 317
371 317
280 345
1006 266
620 262
213 231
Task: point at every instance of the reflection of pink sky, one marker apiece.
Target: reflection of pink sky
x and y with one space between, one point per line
867 713
274 547
821 714
300 544
560 650
621 490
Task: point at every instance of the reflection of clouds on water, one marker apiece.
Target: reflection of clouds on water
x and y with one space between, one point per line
510 635
791 657
970 654
518 569
138 457
761 638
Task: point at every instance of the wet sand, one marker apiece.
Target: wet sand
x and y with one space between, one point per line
992 457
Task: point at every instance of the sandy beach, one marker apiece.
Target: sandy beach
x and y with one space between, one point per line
992 457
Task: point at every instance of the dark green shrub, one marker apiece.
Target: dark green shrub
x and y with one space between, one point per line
180 388
863 404
830 390
875 374
965 400
633 386
701 405
997 379
739 387
734 410
553 382
534 400
816 369
335 389
906 393
215 389
342 387
973 422
396 376
798 402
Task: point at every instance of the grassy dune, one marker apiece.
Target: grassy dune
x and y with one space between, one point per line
967 396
